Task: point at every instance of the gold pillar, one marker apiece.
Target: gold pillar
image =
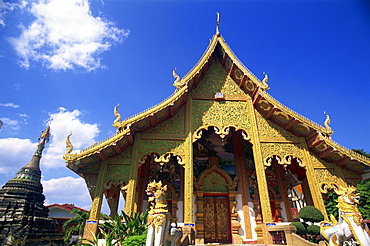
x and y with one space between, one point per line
188 229
131 203
312 181
240 161
91 226
260 167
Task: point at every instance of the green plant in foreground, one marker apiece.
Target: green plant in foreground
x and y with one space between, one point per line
138 240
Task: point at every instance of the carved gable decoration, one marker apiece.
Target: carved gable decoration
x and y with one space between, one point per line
174 125
216 80
215 179
271 132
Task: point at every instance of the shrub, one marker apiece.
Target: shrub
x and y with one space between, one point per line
138 240
301 228
313 230
311 214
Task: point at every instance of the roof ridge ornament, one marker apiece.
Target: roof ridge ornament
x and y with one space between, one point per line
117 122
218 24
264 86
68 155
177 83
328 130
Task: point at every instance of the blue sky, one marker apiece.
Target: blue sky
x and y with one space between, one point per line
74 60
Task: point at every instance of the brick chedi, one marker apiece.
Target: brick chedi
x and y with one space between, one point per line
23 216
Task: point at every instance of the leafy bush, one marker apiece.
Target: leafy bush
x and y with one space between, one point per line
301 228
313 230
331 204
363 187
138 240
311 214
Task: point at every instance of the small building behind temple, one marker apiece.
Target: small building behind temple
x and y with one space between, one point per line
61 213
23 216
234 159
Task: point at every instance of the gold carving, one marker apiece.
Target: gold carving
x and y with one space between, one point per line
117 122
264 86
284 153
328 129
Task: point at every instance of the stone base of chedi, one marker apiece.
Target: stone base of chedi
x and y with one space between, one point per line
23 216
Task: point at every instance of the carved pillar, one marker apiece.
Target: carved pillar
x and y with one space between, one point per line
199 237
131 196
258 219
260 167
92 224
240 161
188 188
235 224
312 181
112 195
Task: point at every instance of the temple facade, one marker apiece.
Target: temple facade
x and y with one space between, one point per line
234 159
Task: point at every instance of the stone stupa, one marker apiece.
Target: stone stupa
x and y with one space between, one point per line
23 216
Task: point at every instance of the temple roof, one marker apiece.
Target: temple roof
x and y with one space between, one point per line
317 136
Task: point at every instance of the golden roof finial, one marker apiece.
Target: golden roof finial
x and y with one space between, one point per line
328 129
178 84
218 24
264 85
68 155
69 145
117 122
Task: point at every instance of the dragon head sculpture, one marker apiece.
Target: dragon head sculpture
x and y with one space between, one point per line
157 197
348 199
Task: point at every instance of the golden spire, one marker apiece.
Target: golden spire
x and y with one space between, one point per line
117 122
264 85
328 129
218 24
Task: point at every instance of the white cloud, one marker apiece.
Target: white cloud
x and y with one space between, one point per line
65 35
5 8
66 190
9 104
10 125
15 153
64 122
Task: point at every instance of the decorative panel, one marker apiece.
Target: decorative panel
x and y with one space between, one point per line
174 125
214 182
162 146
221 114
284 152
269 131
118 172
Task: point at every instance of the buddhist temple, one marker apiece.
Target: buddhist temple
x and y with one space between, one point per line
235 160
23 216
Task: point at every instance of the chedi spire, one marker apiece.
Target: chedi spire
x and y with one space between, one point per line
23 215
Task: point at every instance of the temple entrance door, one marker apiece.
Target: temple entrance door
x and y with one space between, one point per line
216 219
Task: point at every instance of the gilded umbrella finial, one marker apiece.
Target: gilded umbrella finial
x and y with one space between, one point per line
218 24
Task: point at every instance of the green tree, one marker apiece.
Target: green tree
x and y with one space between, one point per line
331 204
363 187
75 224
362 152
